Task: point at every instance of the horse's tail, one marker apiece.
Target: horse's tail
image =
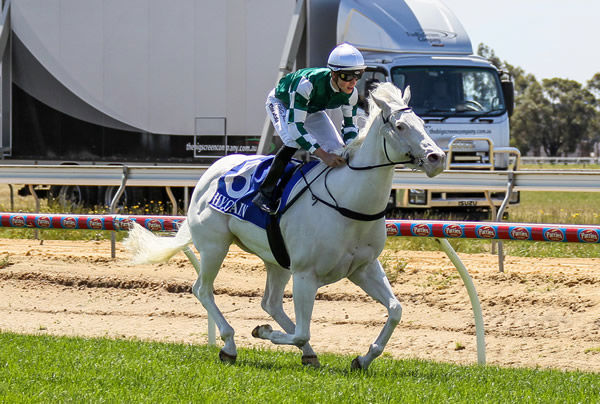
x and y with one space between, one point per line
148 248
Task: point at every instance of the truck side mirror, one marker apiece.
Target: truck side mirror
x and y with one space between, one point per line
508 90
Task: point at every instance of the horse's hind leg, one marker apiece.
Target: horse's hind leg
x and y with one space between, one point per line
373 281
272 303
213 248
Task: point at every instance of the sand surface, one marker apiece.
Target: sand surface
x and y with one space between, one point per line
538 313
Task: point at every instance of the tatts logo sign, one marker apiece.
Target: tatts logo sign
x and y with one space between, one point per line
17 221
95 223
453 230
153 225
126 224
69 223
486 232
589 236
43 221
519 233
554 235
421 230
391 229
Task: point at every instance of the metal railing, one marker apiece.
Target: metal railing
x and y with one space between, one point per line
455 146
187 176
559 160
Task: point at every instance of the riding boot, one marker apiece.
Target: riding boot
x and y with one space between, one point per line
265 199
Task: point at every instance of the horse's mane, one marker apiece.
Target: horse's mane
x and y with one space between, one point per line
384 91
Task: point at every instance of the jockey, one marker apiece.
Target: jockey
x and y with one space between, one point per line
297 110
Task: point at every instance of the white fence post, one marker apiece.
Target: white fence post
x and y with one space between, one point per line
464 274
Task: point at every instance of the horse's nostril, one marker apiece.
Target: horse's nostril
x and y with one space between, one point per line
433 157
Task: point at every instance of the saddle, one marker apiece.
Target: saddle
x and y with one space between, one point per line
238 186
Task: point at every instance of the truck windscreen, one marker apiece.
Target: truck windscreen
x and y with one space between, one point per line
451 91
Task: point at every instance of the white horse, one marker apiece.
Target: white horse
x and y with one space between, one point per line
324 245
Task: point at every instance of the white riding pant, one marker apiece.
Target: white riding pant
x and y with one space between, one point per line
318 124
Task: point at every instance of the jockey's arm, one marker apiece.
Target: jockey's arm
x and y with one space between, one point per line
349 129
331 159
297 116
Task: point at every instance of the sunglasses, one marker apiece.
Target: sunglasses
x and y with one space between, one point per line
349 76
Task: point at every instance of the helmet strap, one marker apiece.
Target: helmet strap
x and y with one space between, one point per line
334 80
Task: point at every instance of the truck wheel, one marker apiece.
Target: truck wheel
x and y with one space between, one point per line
70 197
67 197
109 194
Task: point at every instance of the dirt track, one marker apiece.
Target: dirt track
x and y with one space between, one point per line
540 312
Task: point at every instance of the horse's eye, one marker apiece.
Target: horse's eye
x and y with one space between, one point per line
400 127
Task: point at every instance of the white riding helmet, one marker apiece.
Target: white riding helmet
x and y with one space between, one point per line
345 57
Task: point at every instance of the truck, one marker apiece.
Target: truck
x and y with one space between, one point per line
180 83
464 99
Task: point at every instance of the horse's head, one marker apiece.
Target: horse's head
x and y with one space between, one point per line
405 138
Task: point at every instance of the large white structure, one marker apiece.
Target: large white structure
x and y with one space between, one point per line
148 65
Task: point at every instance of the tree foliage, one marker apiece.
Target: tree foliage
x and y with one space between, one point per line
593 85
557 115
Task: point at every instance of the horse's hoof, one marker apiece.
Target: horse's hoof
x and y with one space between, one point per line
256 331
355 365
311 360
226 358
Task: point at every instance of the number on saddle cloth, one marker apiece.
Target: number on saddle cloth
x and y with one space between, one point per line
238 186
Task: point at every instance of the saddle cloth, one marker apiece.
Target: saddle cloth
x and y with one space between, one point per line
238 186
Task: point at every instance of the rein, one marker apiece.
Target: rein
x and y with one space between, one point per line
352 214
343 211
390 162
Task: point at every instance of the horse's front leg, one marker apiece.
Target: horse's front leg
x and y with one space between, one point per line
272 303
372 279
304 291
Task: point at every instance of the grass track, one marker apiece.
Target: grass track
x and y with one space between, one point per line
58 369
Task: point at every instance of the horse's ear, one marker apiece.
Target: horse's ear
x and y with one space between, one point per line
383 105
406 95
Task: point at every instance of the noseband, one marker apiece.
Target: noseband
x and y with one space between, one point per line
413 160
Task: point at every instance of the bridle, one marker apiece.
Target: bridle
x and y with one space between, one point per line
418 162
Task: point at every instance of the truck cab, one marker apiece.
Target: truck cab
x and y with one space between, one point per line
459 98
